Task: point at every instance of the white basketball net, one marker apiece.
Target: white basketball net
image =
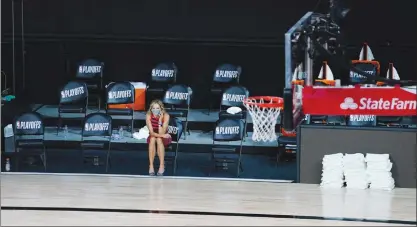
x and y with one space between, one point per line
264 120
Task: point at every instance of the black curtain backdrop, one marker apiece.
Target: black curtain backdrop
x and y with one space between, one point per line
132 36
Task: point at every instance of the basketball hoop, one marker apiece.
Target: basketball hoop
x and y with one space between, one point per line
264 111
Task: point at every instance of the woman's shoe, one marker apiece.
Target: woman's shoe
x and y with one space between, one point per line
151 172
161 173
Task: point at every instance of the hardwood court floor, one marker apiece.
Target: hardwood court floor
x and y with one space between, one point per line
117 200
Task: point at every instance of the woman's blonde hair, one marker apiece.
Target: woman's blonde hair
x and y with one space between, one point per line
160 104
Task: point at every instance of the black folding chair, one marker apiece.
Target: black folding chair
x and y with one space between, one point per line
29 135
233 97
175 129
226 75
96 135
73 100
227 130
121 93
90 71
163 76
177 100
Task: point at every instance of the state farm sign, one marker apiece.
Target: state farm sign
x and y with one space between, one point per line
393 101
381 104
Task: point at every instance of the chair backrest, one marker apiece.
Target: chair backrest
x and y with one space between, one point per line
120 93
90 68
29 124
175 128
370 67
73 92
362 120
227 73
97 124
177 95
165 72
228 130
234 96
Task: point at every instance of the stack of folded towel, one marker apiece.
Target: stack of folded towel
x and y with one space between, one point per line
379 171
354 169
332 175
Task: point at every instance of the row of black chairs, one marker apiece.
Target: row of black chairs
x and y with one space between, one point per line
96 134
177 98
163 76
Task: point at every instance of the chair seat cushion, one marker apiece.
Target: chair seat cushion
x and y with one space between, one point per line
224 153
26 143
92 87
169 154
224 114
216 90
389 120
71 109
178 113
155 89
287 140
93 145
226 157
116 111
318 118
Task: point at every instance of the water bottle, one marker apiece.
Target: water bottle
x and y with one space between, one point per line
7 167
65 131
121 132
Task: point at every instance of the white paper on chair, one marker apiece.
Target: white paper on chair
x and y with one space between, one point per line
142 134
234 110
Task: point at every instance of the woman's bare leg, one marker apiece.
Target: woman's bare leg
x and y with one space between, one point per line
152 144
161 154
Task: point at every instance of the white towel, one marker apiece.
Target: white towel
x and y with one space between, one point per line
332 181
142 134
382 181
357 178
355 172
376 157
385 166
329 168
356 156
378 175
332 165
352 166
360 183
332 185
388 188
333 156
336 172
357 185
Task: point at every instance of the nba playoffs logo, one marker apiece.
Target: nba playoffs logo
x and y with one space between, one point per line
163 73
172 130
89 69
227 130
28 125
176 95
72 92
120 94
96 126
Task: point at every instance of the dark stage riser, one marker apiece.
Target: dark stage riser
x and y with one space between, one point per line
199 119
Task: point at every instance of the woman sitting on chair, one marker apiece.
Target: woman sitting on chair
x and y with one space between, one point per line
157 121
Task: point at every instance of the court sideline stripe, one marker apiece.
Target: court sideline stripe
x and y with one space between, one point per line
140 211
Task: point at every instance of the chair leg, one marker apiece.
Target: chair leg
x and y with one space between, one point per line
44 158
132 127
108 160
186 129
58 127
99 103
210 104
